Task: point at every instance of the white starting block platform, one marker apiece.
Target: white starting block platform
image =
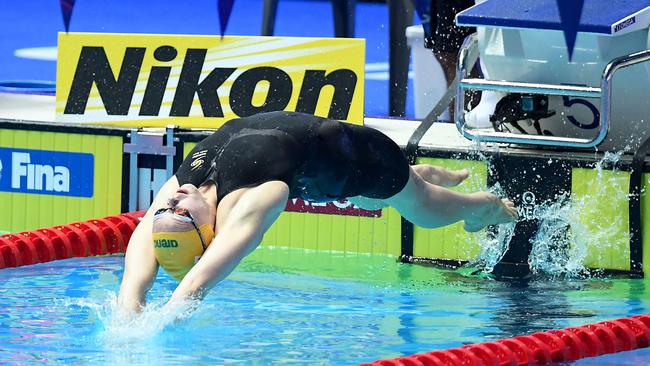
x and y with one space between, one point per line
535 94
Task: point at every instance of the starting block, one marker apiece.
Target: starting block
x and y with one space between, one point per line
534 94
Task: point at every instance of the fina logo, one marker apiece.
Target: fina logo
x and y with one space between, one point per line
56 178
46 172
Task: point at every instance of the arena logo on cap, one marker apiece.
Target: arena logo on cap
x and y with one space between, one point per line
46 172
164 243
204 81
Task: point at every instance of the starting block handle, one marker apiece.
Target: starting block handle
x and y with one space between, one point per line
466 62
531 88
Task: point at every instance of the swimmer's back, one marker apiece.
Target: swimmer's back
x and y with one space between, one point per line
318 158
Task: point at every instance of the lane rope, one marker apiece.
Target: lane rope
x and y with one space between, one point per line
107 235
570 344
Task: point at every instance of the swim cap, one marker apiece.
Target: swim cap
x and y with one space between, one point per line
177 252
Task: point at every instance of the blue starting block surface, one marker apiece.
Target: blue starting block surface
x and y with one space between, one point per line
610 17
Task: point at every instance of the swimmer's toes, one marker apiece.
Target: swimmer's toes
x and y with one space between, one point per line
511 209
501 214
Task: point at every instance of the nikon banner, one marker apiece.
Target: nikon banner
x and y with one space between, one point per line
203 81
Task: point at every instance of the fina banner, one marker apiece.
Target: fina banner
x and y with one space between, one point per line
57 173
144 80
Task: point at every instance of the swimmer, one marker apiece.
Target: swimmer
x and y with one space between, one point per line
235 183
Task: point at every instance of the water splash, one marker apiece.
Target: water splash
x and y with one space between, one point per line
494 244
118 326
478 149
571 229
555 250
568 227
126 338
610 160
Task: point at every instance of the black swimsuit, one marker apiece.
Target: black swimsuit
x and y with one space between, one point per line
319 159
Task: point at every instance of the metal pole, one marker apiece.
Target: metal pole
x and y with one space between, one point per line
400 14
169 166
133 174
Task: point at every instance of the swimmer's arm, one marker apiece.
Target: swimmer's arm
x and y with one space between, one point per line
140 264
249 219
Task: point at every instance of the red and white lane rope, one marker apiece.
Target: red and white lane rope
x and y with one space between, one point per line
541 348
80 239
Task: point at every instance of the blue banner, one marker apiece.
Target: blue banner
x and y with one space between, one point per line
47 172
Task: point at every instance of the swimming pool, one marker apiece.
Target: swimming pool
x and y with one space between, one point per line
289 306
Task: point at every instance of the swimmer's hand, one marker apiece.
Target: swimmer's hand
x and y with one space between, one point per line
129 305
180 309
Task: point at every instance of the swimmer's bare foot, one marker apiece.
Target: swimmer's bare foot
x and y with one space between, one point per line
494 211
441 176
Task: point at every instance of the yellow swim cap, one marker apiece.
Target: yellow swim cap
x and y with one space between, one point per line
177 252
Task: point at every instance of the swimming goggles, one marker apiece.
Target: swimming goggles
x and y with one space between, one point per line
185 216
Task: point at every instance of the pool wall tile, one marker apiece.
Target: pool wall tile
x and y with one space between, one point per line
601 222
339 233
32 211
452 242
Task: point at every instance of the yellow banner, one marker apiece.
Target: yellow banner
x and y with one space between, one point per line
145 80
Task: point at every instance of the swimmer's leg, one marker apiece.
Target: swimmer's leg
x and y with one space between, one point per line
430 206
440 176
429 173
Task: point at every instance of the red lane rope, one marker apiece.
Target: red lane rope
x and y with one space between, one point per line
80 239
540 348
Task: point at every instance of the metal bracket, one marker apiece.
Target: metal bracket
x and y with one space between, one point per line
148 143
604 92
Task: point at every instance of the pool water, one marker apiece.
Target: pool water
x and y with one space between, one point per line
288 306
